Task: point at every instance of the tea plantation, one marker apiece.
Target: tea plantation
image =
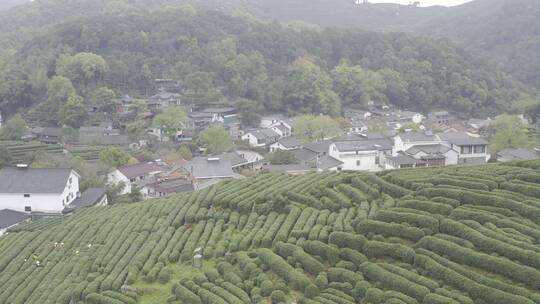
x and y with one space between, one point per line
454 235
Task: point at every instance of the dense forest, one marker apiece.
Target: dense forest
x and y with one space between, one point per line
506 31
261 65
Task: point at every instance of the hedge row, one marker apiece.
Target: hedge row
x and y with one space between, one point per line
368 227
392 281
527 275
279 266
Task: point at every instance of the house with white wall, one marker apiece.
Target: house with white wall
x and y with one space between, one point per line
261 138
135 175
286 144
25 189
407 140
470 149
361 154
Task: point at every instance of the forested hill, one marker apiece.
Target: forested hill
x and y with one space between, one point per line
296 68
507 31
453 235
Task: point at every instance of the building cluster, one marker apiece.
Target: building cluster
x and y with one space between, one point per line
27 193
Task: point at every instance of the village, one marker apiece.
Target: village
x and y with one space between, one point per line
379 137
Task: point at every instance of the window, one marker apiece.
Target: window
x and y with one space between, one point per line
358 163
377 160
479 149
466 150
70 180
27 195
27 209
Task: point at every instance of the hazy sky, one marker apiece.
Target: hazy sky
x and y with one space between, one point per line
424 2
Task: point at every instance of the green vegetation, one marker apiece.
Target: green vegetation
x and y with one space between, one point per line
320 238
258 66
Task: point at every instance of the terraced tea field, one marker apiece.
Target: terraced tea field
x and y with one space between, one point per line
454 235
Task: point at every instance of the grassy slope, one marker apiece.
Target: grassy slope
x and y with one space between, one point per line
104 248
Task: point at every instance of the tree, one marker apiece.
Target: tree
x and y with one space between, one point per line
136 129
114 157
310 128
82 68
249 112
5 157
308 89
170 121
59 90
509 132
104 99
14 129
281 157
215 140
199 82
73 112
185 152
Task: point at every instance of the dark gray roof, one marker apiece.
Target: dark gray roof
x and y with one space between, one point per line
364 145
328 162
30 180
10 218
282 128
141 169
233 158
319 147
402 159
462 139
290 142
51 132
173 186
429 149
219 110
264 133
203 168
417 136
519 154
293 168
304 155
90 197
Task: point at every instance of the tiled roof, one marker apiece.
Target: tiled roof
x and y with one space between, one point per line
141 169
31 180
9 218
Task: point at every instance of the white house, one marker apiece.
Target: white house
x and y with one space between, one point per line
135 175
361 155
27 189
286 144
470 149
261 137
434 155
407 140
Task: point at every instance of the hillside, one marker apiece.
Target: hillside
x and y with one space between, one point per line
441 235
293 69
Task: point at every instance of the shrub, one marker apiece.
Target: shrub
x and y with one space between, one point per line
278 296
283 269
312 291
164 276
347 240
266 288
391 281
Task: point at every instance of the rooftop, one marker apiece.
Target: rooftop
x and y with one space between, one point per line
463 139
293 168
519 154
364 145
141 169
290 142
319 147
31 180
10 218
208 168
429 149
417 136
328 162
90 197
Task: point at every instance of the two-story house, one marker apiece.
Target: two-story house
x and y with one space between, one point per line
407 140
361 154
27 189
470 149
